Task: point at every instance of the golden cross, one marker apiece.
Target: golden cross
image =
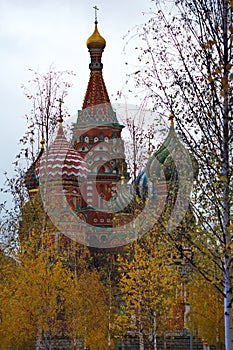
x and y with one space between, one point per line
96 9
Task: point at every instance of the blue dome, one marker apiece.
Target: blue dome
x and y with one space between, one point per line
144 187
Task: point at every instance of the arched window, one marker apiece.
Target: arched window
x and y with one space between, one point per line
102 169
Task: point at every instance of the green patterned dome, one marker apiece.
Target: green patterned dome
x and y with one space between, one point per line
162 165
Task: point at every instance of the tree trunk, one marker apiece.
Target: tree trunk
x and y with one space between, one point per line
109 310
227 307
141 341
226 184
154 331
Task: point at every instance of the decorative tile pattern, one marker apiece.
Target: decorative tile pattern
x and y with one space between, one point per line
63 161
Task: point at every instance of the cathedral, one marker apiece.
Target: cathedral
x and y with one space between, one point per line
84 183
92 165
88 176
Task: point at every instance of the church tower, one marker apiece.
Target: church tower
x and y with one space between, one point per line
97 137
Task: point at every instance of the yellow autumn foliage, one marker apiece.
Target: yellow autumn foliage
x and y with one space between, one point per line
206 316
41 299
149 287
86 310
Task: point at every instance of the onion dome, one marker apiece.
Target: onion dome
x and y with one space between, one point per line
31 178
144 187
161 166
96 41
121 200
62 161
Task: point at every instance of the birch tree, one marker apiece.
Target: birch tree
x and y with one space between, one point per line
149 287
185 61
46 92
205 317
29 298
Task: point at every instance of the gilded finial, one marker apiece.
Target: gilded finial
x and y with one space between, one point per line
171 118
42 142
172 104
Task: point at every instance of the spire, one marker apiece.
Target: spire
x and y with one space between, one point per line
96 89
96 106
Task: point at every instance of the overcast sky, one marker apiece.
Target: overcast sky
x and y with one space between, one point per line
35 34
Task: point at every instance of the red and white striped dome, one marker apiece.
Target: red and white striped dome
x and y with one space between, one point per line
62 161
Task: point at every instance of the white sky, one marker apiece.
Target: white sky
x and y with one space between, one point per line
35 34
